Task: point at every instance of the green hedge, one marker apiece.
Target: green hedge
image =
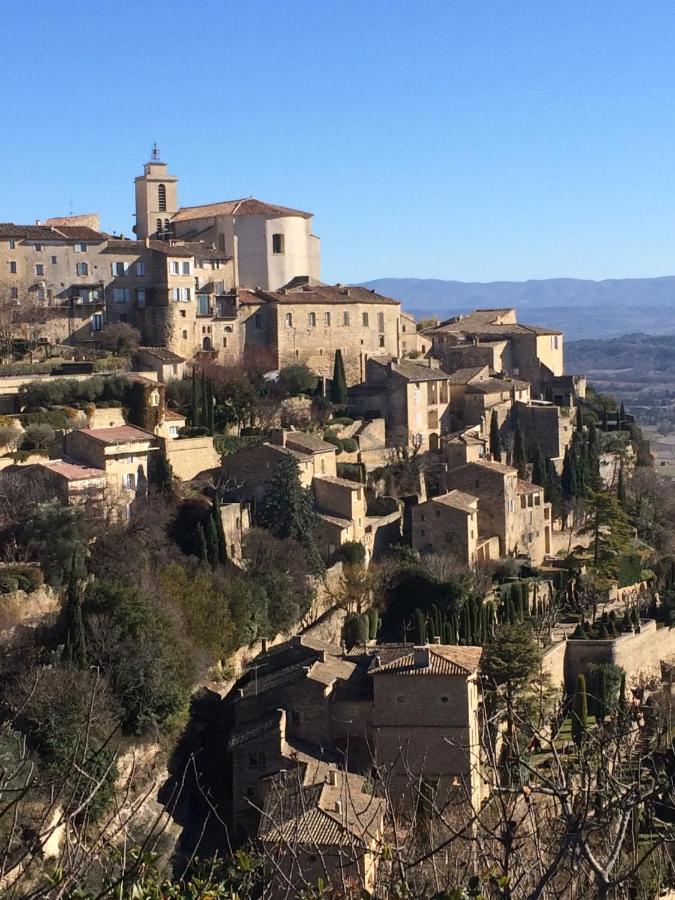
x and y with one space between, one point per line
349 445
29 368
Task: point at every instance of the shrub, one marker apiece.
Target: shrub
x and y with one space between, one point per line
342 420
297 379
193 431
39 436
355 630
330 437
9 435
8 584
351 471
349 445
353 553
58 418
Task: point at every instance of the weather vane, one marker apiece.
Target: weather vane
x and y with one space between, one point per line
154 156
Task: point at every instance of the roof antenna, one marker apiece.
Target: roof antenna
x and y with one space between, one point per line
154 156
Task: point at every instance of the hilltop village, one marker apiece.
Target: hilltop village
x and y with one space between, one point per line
397 594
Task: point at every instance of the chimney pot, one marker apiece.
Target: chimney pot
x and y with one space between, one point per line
332 777
421 657
338 807
437 639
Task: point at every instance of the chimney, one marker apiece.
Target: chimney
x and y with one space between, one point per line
147 242
38 222
332 777
278 437
437 639
338 807
421 657
263 644
377 661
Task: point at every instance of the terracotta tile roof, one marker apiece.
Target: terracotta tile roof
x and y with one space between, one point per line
467 375
247 206
319 813
487 321
249 731
318 294
410 370
497 385
49 233
163 353
183 249
527 487
174 416
307 443
444 659
343 482
493 466
458 500
72 471
119 434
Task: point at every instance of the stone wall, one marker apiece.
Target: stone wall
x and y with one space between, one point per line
190 456
553 663
630 651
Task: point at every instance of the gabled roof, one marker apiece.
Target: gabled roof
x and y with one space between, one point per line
318 294
247 206
458 500
71 470
497 385
444 659
528 487
493 466
163 353
119 434
467 375
182 249
320 813
410 370
50 233
488 322
249 731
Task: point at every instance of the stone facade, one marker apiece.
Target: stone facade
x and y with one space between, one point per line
447 524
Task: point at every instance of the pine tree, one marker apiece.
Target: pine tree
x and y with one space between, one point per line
338 387
579 711
520 454
202 549
211 536
495 439
75 649
540 468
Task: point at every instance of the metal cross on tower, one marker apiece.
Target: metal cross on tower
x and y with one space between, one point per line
154 156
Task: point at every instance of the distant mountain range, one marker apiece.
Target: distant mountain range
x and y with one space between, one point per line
582 309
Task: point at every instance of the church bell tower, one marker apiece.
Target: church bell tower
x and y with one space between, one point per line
156 199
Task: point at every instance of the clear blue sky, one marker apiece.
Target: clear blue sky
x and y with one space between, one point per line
467 139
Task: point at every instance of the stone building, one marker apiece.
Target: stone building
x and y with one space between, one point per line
546 424
426 721
447 524
412 396
495 338
307 321
334 822
304 702
269 244
510 509
483 397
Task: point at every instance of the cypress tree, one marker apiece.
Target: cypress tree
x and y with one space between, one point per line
220 531
568 482
603 694
194 409
421 627
211 535
520 454
622 417
621 488
495 439
373 621
605 424
622 692
552 492
204 417
75 649
338 387
540 468
625 623
579 711
210 408
579 420
202 549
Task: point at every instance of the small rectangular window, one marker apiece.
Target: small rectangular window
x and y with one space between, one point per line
39 269
345 318
288 318
118 268
140 297
82 268
80 248
278 243
12 267
381 340
258 321
365 320
380 321
326 319
12 245
14 293
186 268
175 267
140 268
121 295
38 248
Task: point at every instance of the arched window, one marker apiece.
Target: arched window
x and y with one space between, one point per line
161 198
311 320
206 343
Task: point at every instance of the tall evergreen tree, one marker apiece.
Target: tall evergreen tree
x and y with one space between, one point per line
539 468
579 711
220 531
211 536
495 439
520 454
202 547
568 481
579 420
622 417
287 510
621 488
194 408
75 649
552 492
210 409
605 423
204 417
338 387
